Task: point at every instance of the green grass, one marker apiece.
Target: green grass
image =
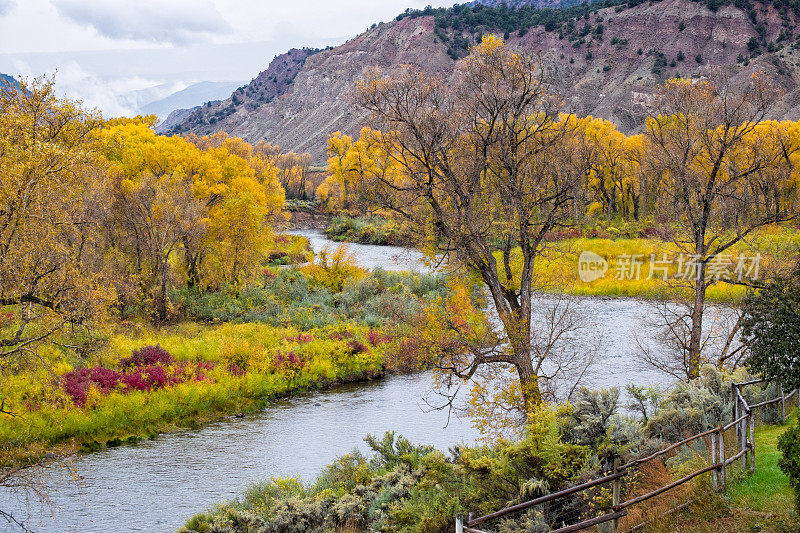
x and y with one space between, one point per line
768 489
761 501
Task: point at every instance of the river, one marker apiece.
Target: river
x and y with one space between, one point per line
157 485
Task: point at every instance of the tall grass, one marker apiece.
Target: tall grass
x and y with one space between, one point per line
275 361
557 269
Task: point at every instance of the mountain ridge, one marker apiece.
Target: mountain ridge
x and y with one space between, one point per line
608 58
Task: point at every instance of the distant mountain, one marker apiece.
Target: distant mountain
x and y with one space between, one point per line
192 96
607 58
5 79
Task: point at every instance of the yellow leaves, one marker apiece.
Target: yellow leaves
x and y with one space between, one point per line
356 166
490 44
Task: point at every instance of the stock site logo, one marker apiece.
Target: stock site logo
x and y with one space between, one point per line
591 266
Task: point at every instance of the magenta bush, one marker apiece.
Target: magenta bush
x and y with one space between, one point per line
356 347
234 370
563 234
146 369
105 379
376 338
135 381
76 384
286 361
146 356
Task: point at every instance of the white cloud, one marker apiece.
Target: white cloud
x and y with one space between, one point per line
175 22
114 54
6 6
115 96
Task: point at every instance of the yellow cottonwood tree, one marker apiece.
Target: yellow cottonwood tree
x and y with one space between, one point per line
615 180
208 201
51 201
356 166
712 149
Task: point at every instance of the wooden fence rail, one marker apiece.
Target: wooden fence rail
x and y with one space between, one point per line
743 423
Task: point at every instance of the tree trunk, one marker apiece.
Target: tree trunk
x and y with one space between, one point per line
162 296
697 321
529 381
192 275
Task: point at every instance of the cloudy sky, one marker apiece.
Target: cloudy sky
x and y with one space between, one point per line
120 54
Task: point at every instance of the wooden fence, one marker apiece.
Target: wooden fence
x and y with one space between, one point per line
648 479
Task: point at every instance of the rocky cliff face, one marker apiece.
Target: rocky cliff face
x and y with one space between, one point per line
607 65
225 114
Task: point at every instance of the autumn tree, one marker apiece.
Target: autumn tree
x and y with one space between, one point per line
208 201
488 169
343 171
51 184
708 145
616 180
52 287
353 166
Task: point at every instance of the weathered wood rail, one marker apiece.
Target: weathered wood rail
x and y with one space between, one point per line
721 457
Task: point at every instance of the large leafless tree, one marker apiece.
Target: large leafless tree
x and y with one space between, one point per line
488 169
708 147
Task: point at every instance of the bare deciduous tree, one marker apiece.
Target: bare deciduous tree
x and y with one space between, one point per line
707 146
488 168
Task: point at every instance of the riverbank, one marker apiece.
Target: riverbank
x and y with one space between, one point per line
208 372
369 230
158 484
404 486
631 266
298 329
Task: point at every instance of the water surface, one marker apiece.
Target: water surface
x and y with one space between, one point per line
157 485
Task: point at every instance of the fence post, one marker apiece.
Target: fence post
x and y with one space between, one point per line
752 444
715 472
735 415
459 523
722 457
743 438
615 494
783 405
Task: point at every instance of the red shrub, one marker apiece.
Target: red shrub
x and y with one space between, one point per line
234 370
356 347
563 234
302 338
288 361
205 365
135 381
146 356
375 337
76 383
157 376
106 380
140 378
